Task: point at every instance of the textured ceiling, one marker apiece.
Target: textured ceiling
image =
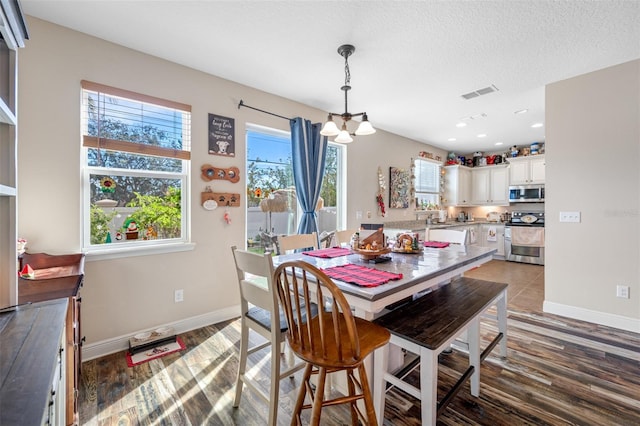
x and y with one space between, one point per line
413 59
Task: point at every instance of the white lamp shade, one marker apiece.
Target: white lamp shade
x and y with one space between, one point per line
365 128
343 137
330 129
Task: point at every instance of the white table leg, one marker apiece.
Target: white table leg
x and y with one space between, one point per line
474 355
502 322
380 362
429 386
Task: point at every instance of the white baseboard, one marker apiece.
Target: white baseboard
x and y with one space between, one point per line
602 318
120 343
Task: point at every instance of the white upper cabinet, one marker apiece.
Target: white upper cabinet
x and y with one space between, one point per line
490 186
527 170
457 186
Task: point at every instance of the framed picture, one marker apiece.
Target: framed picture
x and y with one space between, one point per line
399 188
222 136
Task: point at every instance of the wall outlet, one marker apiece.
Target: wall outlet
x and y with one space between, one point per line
622 291
570 217
178 296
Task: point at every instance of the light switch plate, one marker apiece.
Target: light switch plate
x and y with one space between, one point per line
573 217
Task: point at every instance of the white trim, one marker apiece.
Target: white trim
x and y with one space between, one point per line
120 343
602 318
121 251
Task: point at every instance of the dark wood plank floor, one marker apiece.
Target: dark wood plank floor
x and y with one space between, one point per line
558 372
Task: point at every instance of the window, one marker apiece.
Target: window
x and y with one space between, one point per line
136 153
272 207
427 183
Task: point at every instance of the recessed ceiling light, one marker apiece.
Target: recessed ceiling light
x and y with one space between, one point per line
482 135
451 139
521 111
461 124
536 125
498 143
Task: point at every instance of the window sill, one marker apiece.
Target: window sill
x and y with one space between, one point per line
121 252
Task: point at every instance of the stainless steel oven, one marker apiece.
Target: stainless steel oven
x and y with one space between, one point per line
524 238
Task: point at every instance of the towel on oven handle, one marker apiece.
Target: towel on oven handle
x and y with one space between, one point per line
527 236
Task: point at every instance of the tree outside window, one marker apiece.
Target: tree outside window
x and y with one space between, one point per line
135 167
271 199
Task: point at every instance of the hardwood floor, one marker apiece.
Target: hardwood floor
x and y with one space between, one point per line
558 372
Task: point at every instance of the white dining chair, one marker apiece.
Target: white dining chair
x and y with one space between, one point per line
298 241
452 236
260 312
343 237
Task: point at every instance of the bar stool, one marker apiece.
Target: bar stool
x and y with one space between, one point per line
331 341
260 313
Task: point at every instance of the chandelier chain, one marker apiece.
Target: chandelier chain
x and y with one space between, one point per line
347 73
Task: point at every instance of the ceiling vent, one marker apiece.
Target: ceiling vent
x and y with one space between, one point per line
480 92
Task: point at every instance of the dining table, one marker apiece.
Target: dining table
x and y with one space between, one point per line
413 273
419 271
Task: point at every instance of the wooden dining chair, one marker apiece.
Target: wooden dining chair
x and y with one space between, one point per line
343 237
452 236
260 312
330 341
297 241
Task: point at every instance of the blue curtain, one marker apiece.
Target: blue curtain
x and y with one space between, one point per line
309 150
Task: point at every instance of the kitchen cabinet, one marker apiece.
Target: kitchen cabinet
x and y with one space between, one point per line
56 277
490 186
527 170
457 186
492 236
13 33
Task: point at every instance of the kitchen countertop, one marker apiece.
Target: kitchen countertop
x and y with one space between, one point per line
421 225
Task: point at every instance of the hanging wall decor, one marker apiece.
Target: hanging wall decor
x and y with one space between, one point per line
225 199
382 185
209 173
222 135
399 188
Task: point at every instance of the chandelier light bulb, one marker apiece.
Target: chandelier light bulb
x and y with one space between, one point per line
330 128
344 136
365 128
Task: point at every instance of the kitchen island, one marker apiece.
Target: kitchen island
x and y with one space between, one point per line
480 232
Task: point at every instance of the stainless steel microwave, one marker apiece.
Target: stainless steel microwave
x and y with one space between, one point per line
526 194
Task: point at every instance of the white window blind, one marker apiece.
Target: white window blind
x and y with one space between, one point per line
427 176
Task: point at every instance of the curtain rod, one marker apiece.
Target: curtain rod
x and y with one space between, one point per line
242 104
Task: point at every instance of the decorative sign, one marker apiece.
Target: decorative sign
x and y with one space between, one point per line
221 135
399 188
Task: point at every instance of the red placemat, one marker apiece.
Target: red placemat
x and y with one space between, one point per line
328 252
360 275
436 244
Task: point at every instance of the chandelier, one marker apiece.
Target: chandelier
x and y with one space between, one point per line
330 128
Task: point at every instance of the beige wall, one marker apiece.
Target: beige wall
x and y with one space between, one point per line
592 166
124 296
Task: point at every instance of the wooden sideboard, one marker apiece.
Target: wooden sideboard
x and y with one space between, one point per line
32 364
59 276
